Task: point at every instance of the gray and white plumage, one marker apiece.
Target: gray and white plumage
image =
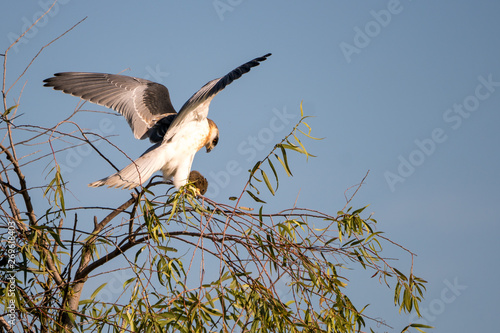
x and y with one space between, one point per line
147 108
143 103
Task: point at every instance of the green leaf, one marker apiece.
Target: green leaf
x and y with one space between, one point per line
285 160
9 110
291 146
416 326
139 252
255 197
357 211
301 145
255 167
94 294
274 172
56 237
85 301
167 249
58 186
266 180
126 283
421 326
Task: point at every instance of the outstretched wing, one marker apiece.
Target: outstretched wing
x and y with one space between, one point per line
197 106
141 102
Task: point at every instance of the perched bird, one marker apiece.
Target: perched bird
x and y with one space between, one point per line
198 181
147 108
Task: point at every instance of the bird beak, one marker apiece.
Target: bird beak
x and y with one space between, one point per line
209 149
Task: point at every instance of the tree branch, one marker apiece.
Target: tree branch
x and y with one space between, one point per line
82 273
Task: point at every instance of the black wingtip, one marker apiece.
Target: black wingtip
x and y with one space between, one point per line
264 57
48 82
252 63
50 79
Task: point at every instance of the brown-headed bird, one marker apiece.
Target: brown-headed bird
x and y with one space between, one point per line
199 182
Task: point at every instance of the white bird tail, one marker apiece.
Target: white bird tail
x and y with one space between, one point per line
136 173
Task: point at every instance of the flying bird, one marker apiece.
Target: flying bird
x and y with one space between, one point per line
148 110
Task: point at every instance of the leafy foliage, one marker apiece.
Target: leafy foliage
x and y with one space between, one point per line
280 154
187 262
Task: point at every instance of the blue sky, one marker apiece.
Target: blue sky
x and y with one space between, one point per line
409 90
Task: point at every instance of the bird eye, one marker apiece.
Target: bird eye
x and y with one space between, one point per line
215 141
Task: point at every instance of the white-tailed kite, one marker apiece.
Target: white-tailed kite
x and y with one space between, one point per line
147 108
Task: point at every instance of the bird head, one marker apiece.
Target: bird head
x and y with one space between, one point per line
199 181
213 136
